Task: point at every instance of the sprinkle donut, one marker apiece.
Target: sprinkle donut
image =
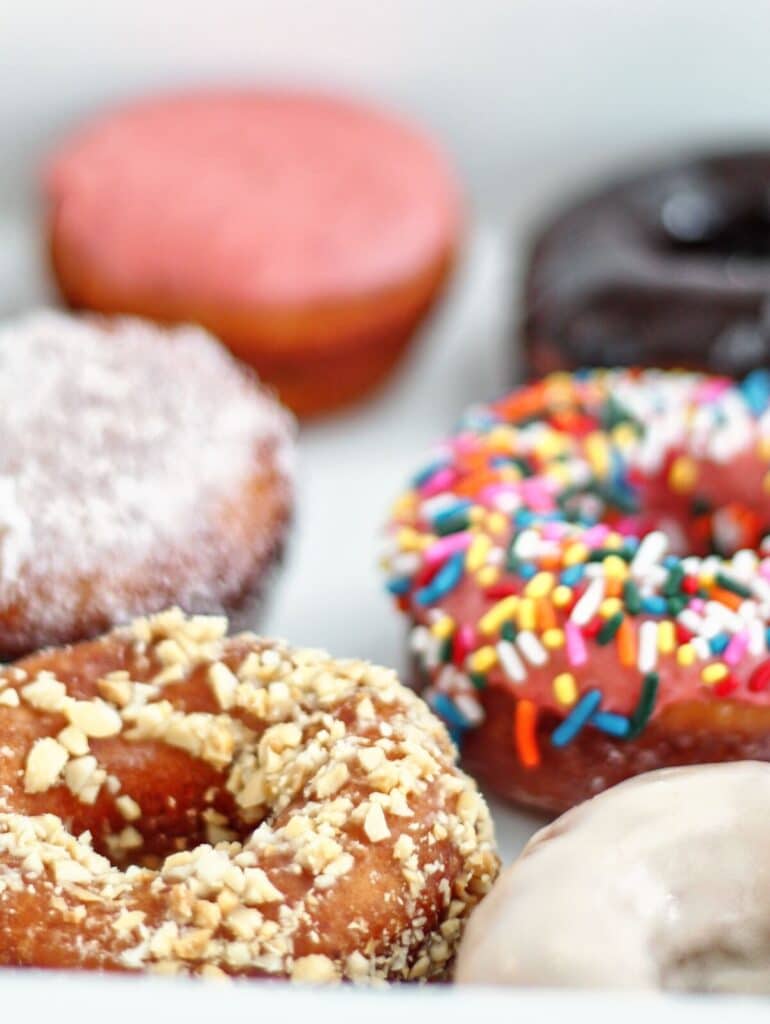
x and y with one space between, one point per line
585 570
175 800
139 468
659 883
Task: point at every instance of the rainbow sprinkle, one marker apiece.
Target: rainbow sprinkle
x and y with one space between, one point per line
583 514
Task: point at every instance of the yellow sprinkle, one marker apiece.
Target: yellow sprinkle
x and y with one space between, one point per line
613 540
483 659
609 606
559 472
666 636
763 448
405 505
615 567
498 614
705 580
565 688
488 575
443 627
509 474
766 483
551 444
553 638
683 474
501 437
685 655
562 595
624 435
597 453
575 554
476 515
411 540
540 585
713 673
477 552
497 523
526 613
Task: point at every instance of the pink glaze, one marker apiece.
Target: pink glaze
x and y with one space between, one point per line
262 198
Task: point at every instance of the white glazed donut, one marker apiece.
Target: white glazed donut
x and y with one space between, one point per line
660 883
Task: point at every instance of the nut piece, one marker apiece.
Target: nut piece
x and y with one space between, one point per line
44 765
375 825
314 969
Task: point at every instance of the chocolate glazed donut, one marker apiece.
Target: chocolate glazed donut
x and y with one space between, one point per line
667 268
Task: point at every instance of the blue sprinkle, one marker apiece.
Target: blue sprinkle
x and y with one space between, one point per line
445 580
572 574
718 643
756 390
671 561
525 517
450 511
399 585
609 722
425 474
527 570
448 710
577 718
655 605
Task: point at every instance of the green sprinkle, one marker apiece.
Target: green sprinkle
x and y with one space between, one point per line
644 708
632 598
445 650
677 604
609 628
478 679
673 581
452 524
508 632
728 583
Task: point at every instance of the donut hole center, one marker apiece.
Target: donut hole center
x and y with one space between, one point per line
721 514
694 223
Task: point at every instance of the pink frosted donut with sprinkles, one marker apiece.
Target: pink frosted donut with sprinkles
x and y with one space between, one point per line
586 567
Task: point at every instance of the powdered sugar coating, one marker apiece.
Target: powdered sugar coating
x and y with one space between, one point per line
121 444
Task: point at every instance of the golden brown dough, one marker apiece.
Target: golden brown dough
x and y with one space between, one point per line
178 801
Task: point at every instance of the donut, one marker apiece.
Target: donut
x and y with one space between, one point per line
668 267
311 234
659 883
175 800
585 572
138 467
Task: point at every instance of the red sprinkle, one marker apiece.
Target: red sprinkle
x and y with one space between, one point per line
760 677
500 590
689 585
726 686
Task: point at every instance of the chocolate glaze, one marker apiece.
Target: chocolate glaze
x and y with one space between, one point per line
667 268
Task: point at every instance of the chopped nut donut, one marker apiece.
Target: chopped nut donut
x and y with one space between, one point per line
257 811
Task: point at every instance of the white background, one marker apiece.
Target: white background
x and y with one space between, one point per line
531 99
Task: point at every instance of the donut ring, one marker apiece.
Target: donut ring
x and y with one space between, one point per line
139 467
564 653
670 267
310 823
660 883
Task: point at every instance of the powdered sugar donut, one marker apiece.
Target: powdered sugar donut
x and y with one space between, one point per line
584 569
138 467
661 882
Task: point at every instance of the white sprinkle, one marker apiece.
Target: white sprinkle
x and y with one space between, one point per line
588 605
512 664
650 552
648 646
531 648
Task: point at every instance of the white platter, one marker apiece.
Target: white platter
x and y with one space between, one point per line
330 594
